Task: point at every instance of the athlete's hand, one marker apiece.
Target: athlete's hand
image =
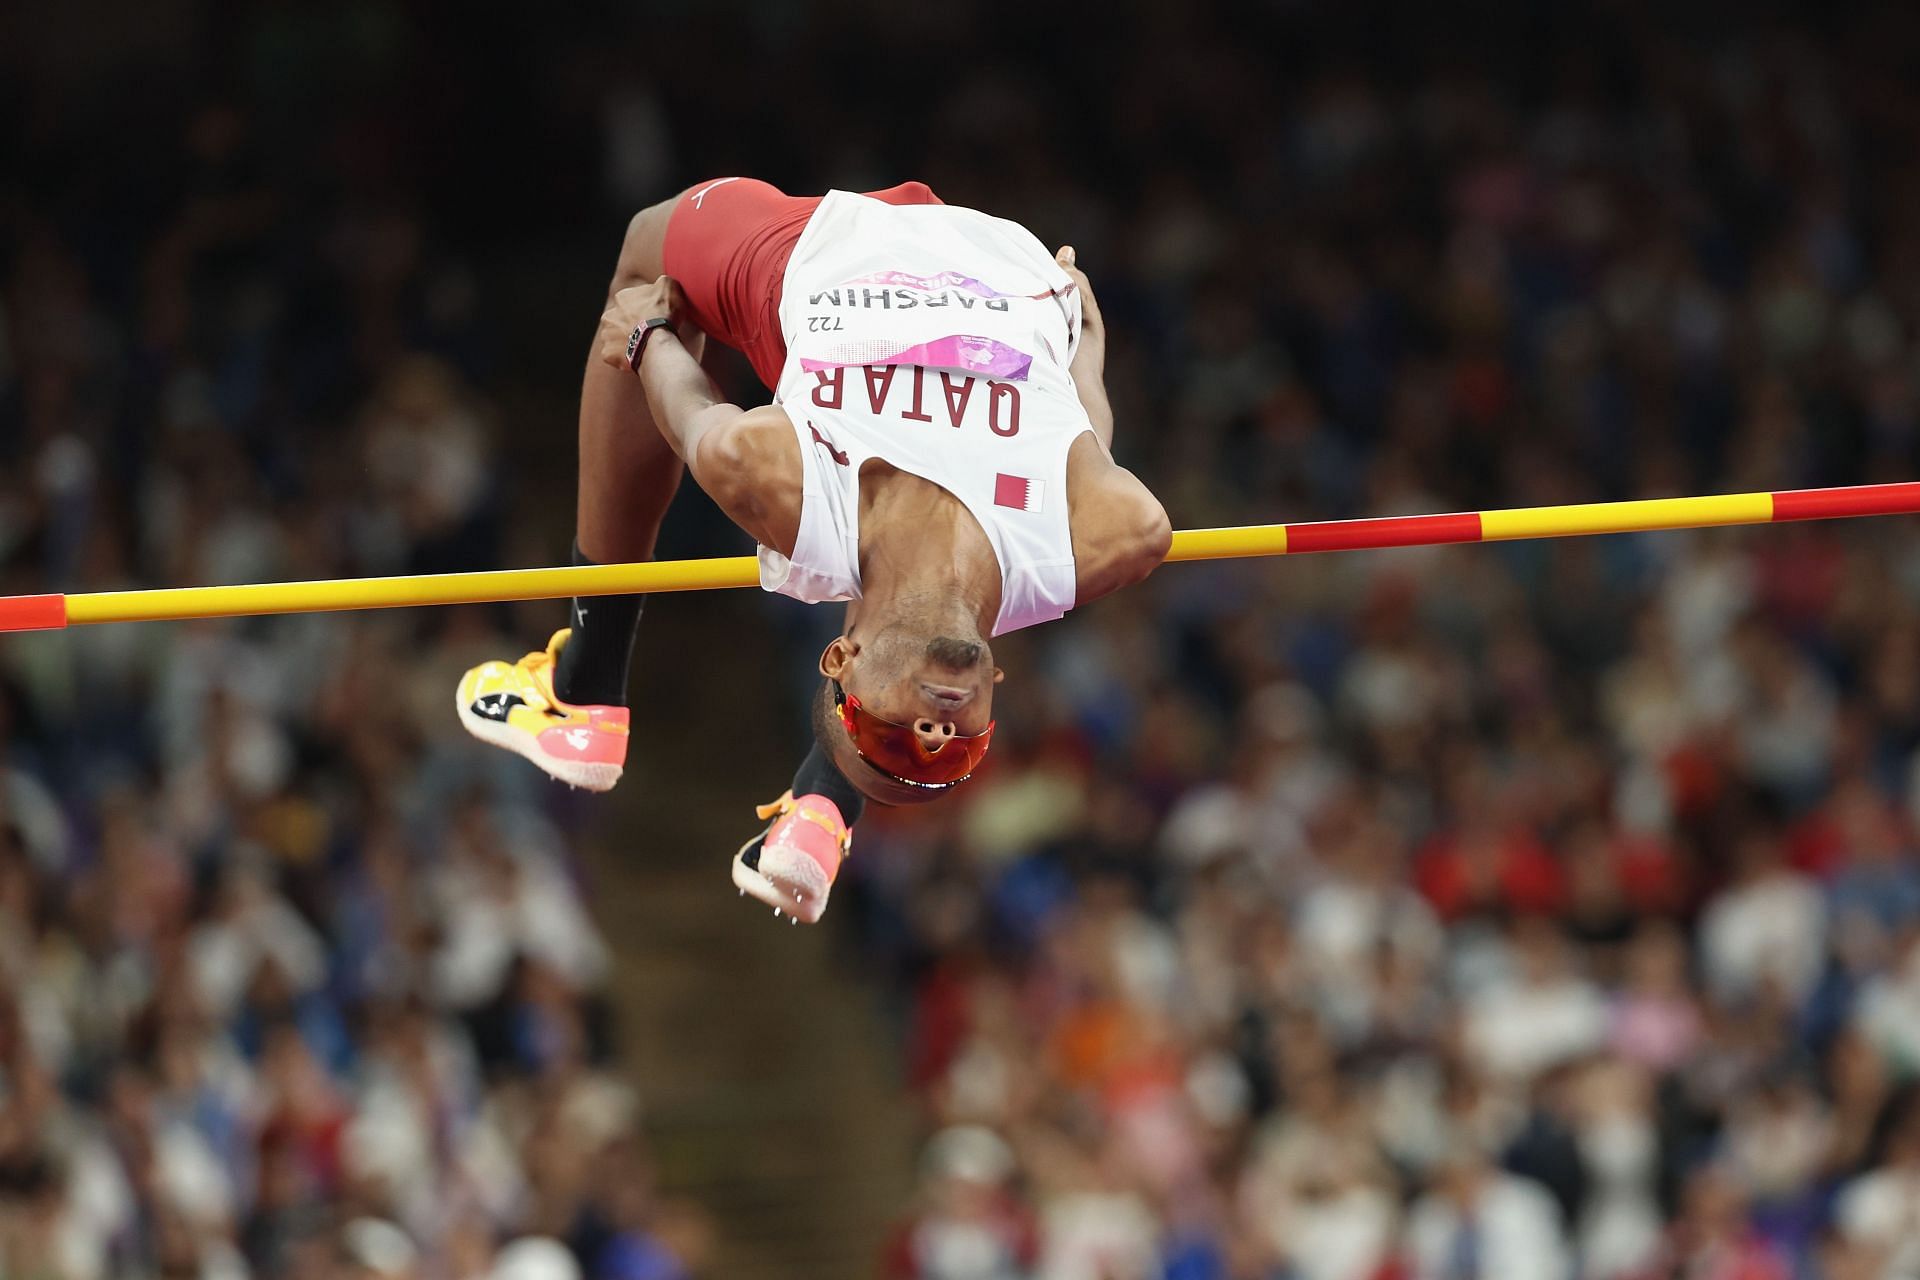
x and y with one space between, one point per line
633 307
1090 354
1088 367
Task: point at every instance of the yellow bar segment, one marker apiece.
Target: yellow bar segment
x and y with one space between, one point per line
1229 544
1626 517
388 593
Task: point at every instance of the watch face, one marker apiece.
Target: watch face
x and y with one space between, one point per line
637 340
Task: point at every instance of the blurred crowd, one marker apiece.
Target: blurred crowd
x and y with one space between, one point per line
295 980
1506 912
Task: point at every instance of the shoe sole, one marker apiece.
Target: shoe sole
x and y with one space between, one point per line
575 773
798 901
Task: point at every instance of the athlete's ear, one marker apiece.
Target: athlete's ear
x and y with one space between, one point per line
837 657
998 675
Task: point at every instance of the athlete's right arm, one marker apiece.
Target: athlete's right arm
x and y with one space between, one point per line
747 461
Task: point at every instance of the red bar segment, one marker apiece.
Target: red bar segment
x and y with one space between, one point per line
1854 500
1386 531
32 613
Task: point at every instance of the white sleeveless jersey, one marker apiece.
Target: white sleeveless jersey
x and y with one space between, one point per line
935 339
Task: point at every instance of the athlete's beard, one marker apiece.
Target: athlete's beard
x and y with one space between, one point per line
954 653
953 641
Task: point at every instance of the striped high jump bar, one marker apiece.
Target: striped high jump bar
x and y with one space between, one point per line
49 612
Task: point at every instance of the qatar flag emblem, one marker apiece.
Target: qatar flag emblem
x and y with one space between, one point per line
1017 492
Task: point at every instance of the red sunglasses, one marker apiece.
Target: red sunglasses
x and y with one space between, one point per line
896 752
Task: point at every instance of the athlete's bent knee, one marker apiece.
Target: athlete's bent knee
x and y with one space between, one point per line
643 248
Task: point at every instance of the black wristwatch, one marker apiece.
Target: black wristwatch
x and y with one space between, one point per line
637 340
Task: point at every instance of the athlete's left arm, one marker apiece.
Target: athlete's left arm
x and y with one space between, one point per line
1120 531
747 460
1089 366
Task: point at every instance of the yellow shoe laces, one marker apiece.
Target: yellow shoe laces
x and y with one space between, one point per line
787 804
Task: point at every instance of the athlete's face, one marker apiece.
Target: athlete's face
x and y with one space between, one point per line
940 686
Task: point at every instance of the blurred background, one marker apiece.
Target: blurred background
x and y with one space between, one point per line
1543 910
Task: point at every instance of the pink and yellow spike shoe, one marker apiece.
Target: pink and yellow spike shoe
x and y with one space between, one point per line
513 705
792 865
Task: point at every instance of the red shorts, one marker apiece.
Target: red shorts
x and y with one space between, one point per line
728 243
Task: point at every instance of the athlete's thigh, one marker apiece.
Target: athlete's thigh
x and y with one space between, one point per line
693 236
726 242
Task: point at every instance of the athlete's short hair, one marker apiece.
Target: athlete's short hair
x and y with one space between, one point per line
828 732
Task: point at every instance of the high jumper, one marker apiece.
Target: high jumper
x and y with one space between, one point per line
937 455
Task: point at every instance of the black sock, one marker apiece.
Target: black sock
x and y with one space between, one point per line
818 777
593 665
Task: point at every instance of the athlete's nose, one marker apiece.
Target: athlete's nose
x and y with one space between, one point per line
933 734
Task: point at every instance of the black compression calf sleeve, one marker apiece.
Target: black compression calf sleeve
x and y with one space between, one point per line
818 777
594 664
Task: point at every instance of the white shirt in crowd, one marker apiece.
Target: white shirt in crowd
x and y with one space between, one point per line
1881 1210
1771 930
1520 1028
1093 1235
1513 1233
1344 1236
